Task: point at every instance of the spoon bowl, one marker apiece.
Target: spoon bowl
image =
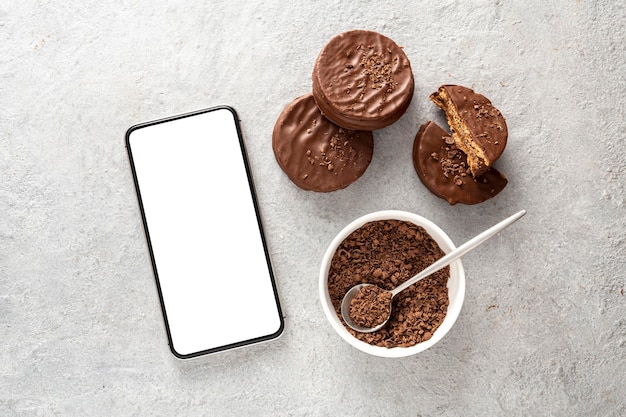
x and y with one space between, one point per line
345 310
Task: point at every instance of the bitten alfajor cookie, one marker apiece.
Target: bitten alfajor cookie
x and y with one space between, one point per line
478 128
362 80
315 153
444 170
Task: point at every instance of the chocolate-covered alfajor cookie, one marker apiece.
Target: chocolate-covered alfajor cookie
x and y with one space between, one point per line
362 80
315 153
478 128
444 170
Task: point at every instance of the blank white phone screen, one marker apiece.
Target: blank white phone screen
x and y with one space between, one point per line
216 284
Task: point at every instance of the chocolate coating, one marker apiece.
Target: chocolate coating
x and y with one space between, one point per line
315 153
443 169
479 128
362 80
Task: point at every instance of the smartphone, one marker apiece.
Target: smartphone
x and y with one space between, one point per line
204 232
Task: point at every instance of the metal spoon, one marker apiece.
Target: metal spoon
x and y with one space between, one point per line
441 263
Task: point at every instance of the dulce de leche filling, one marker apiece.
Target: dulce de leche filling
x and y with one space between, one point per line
478 128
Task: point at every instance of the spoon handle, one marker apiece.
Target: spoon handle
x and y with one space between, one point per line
460 251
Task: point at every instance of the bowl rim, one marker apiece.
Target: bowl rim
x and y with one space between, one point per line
456 270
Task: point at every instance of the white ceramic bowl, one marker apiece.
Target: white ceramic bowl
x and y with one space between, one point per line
456 284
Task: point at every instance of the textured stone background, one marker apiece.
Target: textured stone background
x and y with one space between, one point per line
542 331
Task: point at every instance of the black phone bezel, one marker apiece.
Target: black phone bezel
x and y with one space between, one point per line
244 155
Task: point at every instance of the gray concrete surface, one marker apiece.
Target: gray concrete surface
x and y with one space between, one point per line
542 331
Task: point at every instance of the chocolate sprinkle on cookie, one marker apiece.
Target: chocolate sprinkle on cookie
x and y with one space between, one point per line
444 170
315 153
478 128
362 80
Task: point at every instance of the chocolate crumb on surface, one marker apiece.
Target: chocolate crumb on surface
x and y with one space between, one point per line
387 253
